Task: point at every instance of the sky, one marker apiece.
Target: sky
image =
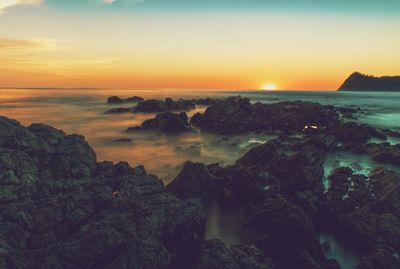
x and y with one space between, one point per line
210 44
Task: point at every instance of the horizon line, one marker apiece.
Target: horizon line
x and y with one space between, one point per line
154 88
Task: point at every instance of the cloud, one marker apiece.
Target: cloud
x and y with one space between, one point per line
21 44
123 2
109 2
5 4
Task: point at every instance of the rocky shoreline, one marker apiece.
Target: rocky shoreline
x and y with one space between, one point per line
60 208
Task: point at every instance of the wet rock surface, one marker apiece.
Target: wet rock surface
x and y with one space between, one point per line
279 187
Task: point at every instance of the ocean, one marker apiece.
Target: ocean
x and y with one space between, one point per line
83 112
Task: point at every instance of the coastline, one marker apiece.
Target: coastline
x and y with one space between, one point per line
279 184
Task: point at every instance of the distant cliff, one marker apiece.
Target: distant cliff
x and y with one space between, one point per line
361 82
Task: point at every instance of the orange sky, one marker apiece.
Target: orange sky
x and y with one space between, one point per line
42 46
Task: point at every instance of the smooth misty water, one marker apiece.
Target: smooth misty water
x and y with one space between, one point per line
82 112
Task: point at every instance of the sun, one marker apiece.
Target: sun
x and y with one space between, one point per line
269 87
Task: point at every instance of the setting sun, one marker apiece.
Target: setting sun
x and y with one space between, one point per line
269 87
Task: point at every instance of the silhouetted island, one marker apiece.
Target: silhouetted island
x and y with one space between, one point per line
361 82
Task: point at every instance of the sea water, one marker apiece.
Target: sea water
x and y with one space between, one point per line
82 111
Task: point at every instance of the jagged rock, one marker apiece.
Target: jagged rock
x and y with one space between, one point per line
59 208
354 135
299 173
384 153
371 227
206 101
322 123
361 82
166 122
237 115
154 106
286 234
118 100
230 186
194 181
215 255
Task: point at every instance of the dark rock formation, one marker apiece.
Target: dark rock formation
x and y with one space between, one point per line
365 215
237 115
361 82
166 122
282 229
215 255
154 106
118 100
384 153
206 101
119 110
59 208
279 187
123 140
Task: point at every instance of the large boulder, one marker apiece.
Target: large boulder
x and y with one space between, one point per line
166 122
59 208
286 234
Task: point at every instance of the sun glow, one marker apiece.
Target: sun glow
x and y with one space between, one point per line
269 87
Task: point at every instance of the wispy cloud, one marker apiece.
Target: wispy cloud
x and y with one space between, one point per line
22 44
123 2
5 4
109 2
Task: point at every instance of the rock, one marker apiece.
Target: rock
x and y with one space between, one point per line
286 234
114 100
325 142
134 99
118 100
194 181
231 186
119 110
59 208
354 136
237 115
166 122
154 106
215 255
193 150
361 82
299 174
322 124
384 153
391 133
123 140
372 227
206 101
